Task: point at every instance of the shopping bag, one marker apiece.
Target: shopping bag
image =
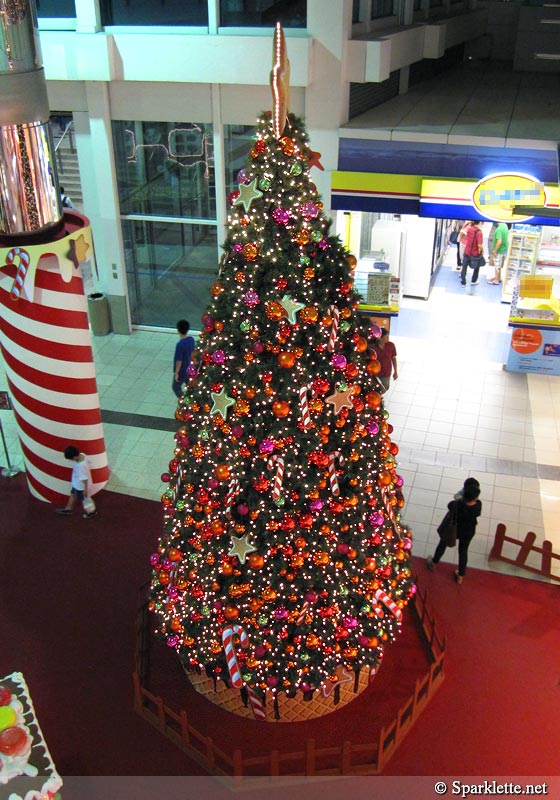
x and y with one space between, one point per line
447 529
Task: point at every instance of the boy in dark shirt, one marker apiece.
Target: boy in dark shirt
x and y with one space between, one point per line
182 357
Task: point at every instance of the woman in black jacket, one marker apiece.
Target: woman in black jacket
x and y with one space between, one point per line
468 509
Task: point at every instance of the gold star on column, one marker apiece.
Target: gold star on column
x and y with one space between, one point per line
78 250
247 193
221 402
341 400
291 307
240 547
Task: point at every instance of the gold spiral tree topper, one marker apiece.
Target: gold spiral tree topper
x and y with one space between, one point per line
280 82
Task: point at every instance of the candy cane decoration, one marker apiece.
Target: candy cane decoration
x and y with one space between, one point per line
227 641
385 496
304 405
233 490
335 311
278 478
383 597
333 477
303 613
23 257
257 705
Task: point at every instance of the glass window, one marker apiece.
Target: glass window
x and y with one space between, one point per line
381 8
238 141
150 12
355 11
56 8
170 268
417 5
165 169
239 13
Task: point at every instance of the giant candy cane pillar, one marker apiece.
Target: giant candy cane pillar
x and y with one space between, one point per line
44 334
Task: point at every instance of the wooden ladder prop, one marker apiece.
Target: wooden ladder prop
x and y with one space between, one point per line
526 546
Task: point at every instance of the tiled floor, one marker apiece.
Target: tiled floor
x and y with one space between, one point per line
455 413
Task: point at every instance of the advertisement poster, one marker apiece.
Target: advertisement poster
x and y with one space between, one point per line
534 350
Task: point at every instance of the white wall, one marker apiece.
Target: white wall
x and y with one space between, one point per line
416 255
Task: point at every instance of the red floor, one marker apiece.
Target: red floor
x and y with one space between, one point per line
68 595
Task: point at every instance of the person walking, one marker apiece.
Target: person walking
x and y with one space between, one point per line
386 354
474 250
80 485
65 199
467 509
497 252
454 240
182 358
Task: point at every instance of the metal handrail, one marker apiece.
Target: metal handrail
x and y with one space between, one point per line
66 130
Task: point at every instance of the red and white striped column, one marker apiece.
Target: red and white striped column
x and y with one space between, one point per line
46 346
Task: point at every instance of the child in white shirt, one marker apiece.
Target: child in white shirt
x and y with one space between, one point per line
80 484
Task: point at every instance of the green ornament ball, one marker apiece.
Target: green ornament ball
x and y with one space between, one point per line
205 611
344 326
180 505
279 501
265 184
316 236
262 620
343 591
296 168
204 434
304 261
245 326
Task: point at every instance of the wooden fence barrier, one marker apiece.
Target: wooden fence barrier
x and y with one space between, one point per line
346 759
526 547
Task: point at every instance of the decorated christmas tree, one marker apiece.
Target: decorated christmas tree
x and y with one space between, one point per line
283 569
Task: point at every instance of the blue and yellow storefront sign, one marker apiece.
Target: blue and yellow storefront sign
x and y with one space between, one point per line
497 195
492 198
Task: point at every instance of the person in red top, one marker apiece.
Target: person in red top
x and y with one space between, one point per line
386 354
472 254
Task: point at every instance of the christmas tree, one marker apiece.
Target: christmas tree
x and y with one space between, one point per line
283 565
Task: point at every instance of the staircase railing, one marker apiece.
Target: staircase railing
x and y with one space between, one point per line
68 132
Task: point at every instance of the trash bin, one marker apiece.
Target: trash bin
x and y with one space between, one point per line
99 316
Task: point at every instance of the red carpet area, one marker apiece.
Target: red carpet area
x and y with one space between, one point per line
68 599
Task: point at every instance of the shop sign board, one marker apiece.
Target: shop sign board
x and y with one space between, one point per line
535 350
496 196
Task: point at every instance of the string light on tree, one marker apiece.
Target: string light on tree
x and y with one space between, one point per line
282 516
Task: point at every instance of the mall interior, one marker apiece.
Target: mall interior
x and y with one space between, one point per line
410 105
422 113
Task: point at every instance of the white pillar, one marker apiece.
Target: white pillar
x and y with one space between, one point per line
99 186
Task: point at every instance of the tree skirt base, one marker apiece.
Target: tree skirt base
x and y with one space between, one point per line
286 709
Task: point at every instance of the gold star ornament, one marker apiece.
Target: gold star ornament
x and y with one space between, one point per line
280 82
241 547
340 400
221 402
247 193
291 307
